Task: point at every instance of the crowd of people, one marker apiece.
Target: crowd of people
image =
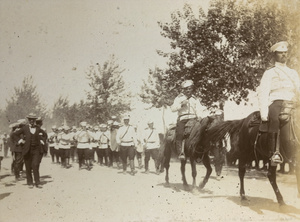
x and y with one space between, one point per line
112 144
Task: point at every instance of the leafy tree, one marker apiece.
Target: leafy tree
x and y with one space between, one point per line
24 101
226 51
107 96
156 90
61 111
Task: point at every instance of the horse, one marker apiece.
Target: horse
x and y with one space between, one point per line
252 142
193 149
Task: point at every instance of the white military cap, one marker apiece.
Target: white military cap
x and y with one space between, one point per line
115 123
126 117
22 121
187 83
54 127
280 47
113 117
83 123
150 121
103 125
109 122
96 128
13 125
66 128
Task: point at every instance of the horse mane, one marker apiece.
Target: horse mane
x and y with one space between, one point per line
222 129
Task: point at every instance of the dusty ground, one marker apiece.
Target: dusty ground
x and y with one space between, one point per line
104 194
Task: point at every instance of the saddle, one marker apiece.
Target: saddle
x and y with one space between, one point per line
189 127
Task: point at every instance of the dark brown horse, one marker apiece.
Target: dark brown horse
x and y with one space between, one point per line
196 147
250 146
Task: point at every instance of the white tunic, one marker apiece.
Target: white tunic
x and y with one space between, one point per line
192 109
64 140
151 139
104 139
277 83
126 136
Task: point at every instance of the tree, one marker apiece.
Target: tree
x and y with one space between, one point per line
226 51
107 96
61 111
24 101
156 90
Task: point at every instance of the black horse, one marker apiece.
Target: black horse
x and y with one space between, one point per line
253 143
196 148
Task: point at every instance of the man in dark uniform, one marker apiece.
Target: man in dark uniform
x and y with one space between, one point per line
32 149
16 149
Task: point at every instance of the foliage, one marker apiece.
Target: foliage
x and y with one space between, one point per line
226 51
107 96
25 100
71 115
156 90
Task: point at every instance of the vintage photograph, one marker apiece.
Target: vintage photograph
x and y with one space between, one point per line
149 110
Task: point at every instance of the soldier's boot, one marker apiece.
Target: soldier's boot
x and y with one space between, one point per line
140 163
132 167
156 166
146 167
89 164
180 148
273 148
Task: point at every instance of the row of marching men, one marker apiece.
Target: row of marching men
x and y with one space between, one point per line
113 143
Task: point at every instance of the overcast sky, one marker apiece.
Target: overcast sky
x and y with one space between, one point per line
56 41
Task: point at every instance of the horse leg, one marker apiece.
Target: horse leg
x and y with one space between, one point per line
206 163
272 179
167 166
242 171
297 170
182 168
194 171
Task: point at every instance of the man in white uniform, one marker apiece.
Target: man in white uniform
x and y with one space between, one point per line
188 107
278 86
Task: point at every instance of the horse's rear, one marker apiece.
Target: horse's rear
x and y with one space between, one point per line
253 143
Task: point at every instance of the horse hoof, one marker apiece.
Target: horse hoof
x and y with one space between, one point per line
281 203
201 186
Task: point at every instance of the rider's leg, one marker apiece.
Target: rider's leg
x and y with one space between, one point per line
180 138
273 132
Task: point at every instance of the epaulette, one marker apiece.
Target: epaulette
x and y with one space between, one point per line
270 67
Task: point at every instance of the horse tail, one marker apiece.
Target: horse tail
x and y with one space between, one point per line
221 130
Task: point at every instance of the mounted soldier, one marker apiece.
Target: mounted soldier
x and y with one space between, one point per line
278 93
188 108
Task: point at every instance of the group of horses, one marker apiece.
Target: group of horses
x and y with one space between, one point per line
205 136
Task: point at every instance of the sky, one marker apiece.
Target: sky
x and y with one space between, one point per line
56 41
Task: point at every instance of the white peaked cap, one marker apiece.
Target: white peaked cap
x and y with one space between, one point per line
187 83
280 47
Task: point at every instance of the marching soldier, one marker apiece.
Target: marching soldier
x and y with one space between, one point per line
126 139
64 141
104 140
114 155
151 144
83 138
52 140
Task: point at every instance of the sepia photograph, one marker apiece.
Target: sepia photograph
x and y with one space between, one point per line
149 110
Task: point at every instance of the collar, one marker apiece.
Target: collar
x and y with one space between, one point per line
278 64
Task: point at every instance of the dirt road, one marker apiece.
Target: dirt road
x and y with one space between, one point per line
105 194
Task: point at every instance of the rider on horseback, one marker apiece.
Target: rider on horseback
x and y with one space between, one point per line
188 107
278 85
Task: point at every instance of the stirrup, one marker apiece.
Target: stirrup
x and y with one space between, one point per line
277 158
181 156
